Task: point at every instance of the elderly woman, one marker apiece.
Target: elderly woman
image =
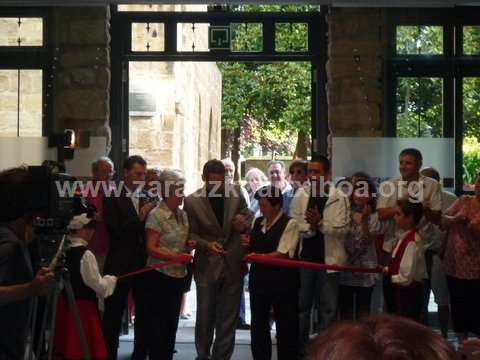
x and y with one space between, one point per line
274 235
167 231
255 178
462 262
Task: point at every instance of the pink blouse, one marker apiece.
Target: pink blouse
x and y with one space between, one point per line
462 255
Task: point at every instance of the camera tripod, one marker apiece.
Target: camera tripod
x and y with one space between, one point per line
63 283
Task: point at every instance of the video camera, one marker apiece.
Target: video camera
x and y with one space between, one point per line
50 210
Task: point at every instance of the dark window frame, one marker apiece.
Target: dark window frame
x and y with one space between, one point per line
452 66
122 54
33 58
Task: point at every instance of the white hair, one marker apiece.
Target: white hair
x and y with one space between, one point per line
168 178
257 172
101 159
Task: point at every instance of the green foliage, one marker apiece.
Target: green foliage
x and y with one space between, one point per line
269 101
419 40
277 96
419 107
471 40
471 160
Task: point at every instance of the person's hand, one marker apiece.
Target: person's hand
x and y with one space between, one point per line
357 217
215 248
313 217
43 283
98 217
245 240
191 244
238 223
145 209
385 269
460 219
469 349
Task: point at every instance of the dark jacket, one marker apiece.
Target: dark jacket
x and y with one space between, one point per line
15 269
127 235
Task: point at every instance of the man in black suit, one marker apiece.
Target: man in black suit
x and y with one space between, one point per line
125 219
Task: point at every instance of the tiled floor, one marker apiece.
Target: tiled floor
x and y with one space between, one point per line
185 336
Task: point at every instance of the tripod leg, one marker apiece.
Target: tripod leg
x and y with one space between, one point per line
76 318
43 325
53 309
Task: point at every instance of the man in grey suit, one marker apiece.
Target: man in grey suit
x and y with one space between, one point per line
217 215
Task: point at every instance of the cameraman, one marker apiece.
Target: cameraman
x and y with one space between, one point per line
18 285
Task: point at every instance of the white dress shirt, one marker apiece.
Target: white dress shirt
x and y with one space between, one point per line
103 286
334 225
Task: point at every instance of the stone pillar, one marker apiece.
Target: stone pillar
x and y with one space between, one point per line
355 70
82 74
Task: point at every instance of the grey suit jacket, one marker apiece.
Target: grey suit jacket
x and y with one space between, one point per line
204 228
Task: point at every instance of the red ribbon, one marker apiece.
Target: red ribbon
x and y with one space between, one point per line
268 260
180 259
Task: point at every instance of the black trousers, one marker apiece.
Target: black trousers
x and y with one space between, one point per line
355 301
285 308
163 296
115 306
464 296
406 301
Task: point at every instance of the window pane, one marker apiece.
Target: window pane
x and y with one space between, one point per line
471 40
160 8
148 37
21 105
192 37
247 37
471 131
291 37
9 100
21 31
419 107
419 40
31 103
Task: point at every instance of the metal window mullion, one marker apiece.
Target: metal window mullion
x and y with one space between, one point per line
458 135
18 102
268 30
170 37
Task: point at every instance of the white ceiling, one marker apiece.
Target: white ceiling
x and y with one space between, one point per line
349 3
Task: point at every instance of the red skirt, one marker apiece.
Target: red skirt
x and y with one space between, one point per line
67 342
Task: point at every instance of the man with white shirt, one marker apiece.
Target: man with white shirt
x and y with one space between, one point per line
125 217
323 216
277 177
433 256
414 186
410 184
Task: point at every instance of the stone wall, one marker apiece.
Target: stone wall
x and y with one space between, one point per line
184 132
82 69
355 70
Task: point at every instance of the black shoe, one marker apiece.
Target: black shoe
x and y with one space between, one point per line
243 326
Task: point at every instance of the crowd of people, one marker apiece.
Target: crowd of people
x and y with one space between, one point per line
415 238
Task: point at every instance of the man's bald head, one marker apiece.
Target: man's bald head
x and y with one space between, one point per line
431 173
